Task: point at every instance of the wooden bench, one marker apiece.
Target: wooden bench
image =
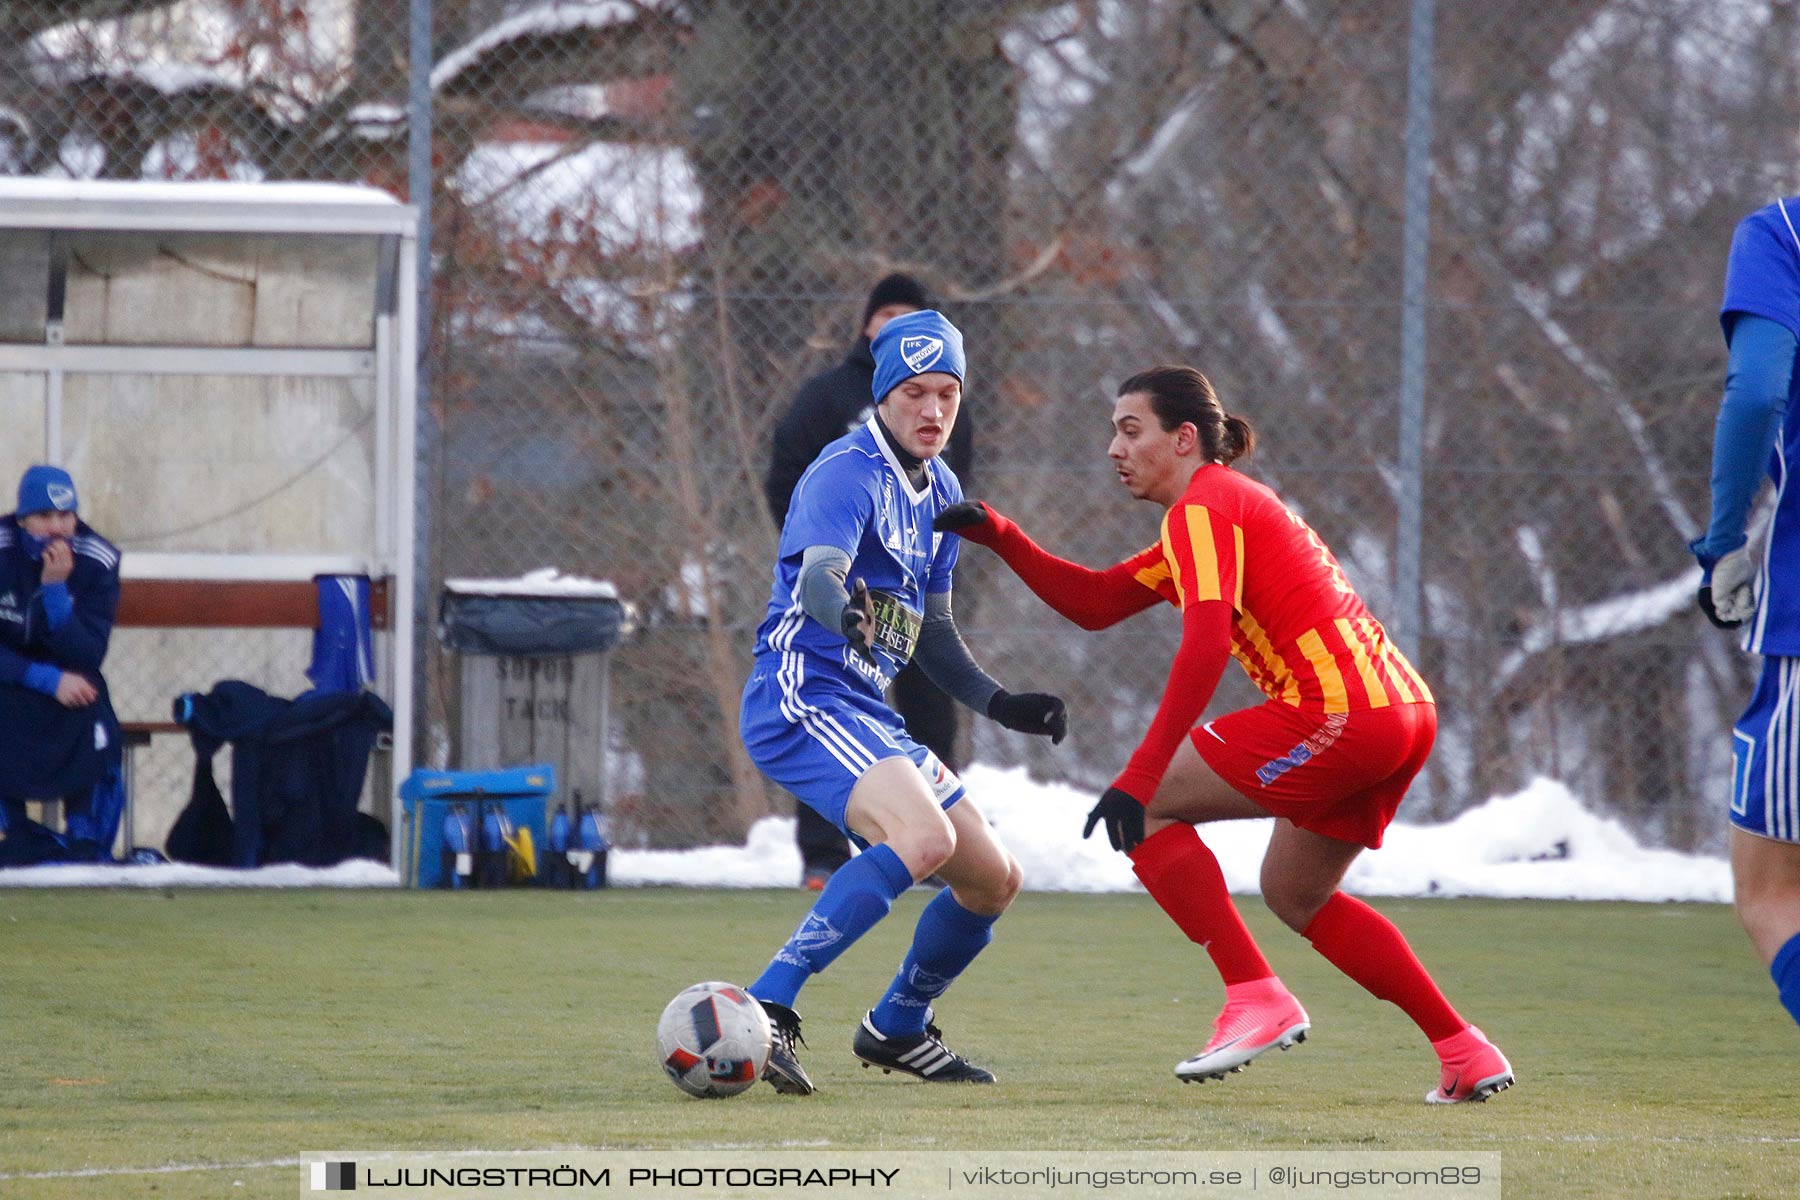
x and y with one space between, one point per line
231 603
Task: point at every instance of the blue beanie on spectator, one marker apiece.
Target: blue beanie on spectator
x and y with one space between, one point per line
45 489
915 344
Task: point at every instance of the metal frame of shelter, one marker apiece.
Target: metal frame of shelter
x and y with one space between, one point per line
389 362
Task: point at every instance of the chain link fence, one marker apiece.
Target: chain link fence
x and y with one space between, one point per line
651 221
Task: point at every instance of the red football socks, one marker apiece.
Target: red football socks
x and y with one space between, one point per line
1182 875
1367 947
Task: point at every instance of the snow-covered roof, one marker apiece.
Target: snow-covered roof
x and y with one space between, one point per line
558 16
175 78
564 204
630 196
210 206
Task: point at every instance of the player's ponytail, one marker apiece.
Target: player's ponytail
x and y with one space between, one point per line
1238 441
1182 395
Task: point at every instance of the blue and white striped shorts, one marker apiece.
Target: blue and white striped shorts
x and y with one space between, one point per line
815 733
1765 755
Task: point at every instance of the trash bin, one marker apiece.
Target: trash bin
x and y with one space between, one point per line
533 658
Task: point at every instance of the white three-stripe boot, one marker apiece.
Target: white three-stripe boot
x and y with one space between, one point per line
922 1054
1259 1015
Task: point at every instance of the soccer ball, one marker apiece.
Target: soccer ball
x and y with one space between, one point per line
713 1040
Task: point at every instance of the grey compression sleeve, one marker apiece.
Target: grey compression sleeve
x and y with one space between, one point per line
823 570
947 660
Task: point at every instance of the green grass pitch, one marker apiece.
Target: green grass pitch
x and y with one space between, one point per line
220 1031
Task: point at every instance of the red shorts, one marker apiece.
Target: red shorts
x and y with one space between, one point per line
1339 774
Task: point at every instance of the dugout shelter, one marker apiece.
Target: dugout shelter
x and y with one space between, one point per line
228 370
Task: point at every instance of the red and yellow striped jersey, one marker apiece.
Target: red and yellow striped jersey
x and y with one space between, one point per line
1300 631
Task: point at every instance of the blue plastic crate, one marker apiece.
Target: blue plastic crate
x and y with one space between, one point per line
426 797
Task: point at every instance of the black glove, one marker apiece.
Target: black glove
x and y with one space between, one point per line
1030 712
960 516
850 621
1726 595
1705 600
1124 818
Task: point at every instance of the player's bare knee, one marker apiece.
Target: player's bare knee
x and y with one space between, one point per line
1749 899
994 892
1009 883
1295 915
1294 904
1749 918
1763 910
926 846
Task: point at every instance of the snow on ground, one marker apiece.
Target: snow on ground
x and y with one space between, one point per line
1539 843
358 873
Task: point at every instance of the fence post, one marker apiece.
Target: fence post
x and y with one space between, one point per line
419 59
1415 249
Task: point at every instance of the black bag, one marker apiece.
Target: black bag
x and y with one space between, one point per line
529 625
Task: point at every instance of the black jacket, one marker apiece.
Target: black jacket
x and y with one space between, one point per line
46 750
828 406
297 770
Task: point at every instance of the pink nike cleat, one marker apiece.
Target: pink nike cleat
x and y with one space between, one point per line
1474 1069
1259 1015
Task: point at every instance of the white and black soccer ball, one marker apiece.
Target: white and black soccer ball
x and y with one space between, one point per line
713 1040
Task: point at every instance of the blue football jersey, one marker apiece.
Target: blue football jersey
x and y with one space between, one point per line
1762 278
856 497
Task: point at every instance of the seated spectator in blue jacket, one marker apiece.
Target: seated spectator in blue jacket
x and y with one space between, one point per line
59 739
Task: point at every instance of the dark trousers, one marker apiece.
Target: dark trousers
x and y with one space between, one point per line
930 717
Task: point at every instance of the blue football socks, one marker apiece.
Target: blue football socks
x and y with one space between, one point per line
859 894
947 940
1785 970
